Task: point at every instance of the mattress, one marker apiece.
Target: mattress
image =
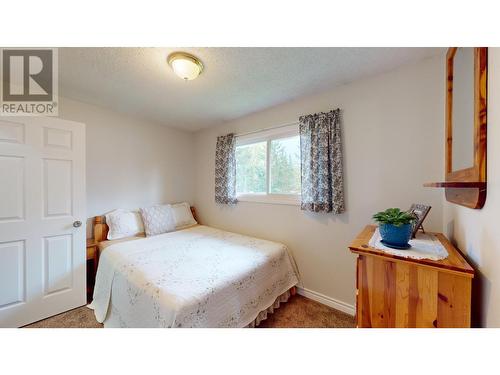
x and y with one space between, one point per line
196 277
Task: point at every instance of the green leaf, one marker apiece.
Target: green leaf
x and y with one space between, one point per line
394 216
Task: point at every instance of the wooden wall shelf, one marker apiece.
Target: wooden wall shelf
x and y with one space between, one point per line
466 187
456 185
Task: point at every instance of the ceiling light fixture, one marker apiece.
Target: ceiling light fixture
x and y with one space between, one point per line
185 65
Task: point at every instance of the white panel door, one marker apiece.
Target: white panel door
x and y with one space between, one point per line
42 201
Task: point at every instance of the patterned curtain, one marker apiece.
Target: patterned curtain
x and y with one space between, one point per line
225 170
321 159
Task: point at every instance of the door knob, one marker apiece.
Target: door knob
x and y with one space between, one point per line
77 223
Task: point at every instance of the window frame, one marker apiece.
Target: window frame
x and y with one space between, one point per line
268 136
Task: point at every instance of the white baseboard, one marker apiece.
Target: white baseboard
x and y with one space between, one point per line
328 301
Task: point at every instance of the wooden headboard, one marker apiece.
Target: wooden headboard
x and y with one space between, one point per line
101 228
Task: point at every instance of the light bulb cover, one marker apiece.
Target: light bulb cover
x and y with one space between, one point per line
185 65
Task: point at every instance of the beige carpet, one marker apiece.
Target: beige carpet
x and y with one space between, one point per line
298 312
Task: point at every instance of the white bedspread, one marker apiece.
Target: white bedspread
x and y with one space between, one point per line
196 277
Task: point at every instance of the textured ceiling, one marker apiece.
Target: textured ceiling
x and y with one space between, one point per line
235 82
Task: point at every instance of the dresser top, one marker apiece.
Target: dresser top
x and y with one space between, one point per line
454 263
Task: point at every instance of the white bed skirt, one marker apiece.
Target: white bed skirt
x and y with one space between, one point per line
113 320
263 314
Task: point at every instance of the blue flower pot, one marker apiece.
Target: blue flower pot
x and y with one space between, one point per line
394 235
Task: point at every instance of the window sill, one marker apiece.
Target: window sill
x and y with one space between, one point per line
290 200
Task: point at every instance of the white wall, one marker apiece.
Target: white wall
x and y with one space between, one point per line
477 232
131 163
393 141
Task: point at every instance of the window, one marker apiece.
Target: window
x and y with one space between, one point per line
268 166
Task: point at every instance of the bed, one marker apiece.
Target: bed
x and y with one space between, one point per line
194 277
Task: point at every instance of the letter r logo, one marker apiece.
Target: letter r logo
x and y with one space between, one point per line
27 75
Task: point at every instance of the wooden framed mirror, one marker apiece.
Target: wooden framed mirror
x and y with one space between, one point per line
465 146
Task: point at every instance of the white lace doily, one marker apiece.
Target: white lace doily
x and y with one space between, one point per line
424 246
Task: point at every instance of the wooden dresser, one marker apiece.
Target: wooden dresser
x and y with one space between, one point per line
393 291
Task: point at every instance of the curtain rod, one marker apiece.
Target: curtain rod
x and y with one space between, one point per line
269 128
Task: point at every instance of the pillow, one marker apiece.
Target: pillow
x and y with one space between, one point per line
123 223
158 219
183 216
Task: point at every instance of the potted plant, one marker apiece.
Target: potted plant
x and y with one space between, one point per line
395 227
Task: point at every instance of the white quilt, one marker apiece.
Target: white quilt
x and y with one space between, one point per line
196 277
